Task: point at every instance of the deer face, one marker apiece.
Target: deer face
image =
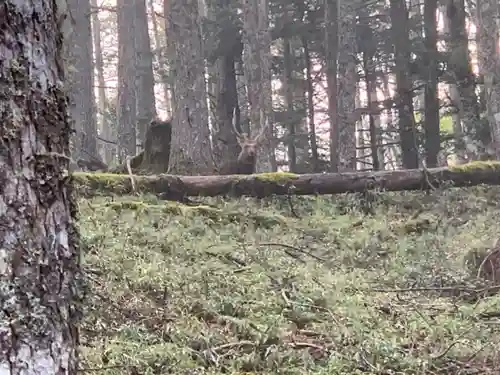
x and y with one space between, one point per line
248 149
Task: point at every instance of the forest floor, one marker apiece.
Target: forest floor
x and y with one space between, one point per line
252 289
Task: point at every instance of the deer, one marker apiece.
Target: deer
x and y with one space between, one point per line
245 164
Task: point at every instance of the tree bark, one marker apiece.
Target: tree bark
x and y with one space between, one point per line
39 256
346 90
145 83
190 152
261 185
404 98
127 74
331 52
80 77
488 18
257 67
106 129
431 111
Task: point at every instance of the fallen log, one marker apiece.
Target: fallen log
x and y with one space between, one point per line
281 183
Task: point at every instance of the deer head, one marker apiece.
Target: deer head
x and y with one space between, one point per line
245 164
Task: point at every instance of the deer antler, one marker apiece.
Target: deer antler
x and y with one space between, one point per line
238 134
264 124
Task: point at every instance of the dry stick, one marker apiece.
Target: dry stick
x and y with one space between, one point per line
129 170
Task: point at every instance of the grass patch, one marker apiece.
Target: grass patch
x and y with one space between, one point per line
248 288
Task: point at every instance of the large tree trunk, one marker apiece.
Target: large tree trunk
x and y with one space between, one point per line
456 113
261 185
404 98
191 152
257 65
106 130
488 16
80 80
462 77
225 52
160 49
39 256
145 96
127 74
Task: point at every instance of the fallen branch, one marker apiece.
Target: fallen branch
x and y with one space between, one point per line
267 184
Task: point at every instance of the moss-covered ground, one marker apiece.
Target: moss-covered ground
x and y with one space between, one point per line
254 287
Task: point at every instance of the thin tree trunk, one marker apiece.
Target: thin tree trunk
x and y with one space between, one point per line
39 258
106 130
310 106
431 117
346 93
289 102
331 52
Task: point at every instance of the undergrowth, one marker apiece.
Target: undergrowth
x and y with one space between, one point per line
356 284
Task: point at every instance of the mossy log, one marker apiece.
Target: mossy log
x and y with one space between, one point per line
266 184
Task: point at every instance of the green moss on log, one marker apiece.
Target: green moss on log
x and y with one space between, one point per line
476 166
279 177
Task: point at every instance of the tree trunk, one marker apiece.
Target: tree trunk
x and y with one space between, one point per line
431 116
127 74
40 271
331 52
228 49
288 94
191 150
404 99
160 58
145 96
262 185
257 66
488 24
461 74
346 93
106 130
80 80
310 106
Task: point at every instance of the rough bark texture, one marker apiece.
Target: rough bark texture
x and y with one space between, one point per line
404 98
431 114
257 64
159 55
488 17
80 80
462 77
39 255
456 115
105 128
261 185
346 91
146 107
226 51
126 105
331 48
191 152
